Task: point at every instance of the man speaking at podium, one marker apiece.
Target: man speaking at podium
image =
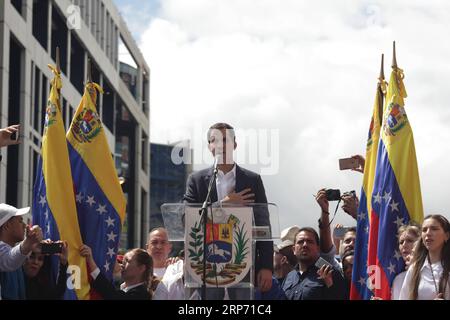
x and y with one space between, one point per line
234 185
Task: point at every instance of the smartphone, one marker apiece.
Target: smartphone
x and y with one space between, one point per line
321 262
348 163
51 248
15 136
339 233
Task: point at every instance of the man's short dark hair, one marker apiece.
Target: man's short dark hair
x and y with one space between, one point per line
221 126
289 254
351 229
311 230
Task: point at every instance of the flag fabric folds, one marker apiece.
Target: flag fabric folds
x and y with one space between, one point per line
359 287
99 198
54 207
396 197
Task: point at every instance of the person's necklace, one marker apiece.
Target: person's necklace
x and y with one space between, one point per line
432 274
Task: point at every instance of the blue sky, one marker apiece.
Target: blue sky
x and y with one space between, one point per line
305 72
137 14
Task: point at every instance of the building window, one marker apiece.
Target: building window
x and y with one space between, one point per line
108 107
18 5
128 69
145 93
14 108
144 152
144 215
59 38
40 21
77 64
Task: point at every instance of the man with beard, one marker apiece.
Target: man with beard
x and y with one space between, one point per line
307 281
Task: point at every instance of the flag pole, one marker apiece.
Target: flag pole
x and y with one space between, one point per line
88 71
58 69
58 61
394 58
381 93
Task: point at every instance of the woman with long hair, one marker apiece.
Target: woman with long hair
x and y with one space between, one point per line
137 274
37 274
428 276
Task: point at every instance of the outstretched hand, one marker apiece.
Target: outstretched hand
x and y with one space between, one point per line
64 255
86 252
361 162
33 237
350 206
321 199
6 134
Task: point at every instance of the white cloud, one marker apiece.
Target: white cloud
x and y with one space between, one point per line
308 69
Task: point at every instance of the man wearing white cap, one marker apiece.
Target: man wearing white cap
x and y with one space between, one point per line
12 231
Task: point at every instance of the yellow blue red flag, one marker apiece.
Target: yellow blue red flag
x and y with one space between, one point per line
396 196
365 234
53 195
99 198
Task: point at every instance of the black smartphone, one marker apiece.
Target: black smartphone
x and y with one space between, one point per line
15 136
321 262
51 248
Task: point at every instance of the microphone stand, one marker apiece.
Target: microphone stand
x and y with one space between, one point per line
204 218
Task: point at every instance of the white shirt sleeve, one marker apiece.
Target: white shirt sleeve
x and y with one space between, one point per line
10 258
397 285
161 292
406 287
173 280
95 273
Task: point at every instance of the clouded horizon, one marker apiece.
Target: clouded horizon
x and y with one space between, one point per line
307 70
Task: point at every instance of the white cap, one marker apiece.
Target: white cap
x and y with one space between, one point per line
7 212
285 244
289 233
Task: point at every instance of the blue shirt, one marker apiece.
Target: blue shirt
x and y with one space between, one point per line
13 285
308 286
275 292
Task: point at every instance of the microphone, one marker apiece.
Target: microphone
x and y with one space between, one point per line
218 159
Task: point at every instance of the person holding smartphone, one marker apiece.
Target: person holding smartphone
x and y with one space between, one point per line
9 135
38 283
313 278
17 240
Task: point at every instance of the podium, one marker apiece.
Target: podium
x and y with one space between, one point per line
234 237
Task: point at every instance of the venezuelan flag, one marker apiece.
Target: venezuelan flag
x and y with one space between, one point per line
99 198
396 196
365 223
54 207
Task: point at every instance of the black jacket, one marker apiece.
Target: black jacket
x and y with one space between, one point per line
108 292
197 189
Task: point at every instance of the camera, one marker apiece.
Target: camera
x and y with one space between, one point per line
51 248
333 194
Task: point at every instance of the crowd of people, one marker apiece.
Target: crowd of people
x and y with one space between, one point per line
305 265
